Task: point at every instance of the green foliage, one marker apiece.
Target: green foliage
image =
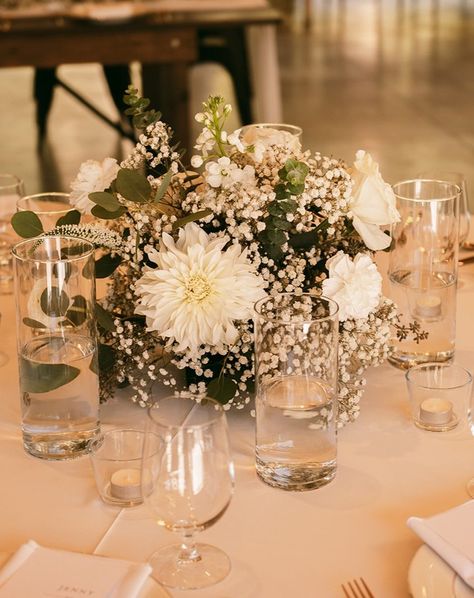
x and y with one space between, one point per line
222 389
106 265
27 224
294 173
292 177
138 109
308 239
191 218
133 185
104 318
102 213
163 187
106 200
54 302
33 323
72 217
107 357
77 312
44 377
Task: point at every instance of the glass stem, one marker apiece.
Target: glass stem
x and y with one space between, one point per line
188 552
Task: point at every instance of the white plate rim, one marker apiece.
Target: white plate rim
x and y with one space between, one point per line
430 577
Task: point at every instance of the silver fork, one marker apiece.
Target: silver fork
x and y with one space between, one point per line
357 589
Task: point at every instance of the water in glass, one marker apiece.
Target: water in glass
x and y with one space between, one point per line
296 433
63 420
430 299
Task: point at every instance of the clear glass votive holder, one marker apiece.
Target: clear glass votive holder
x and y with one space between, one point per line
117 463
293 130
439 394
49 207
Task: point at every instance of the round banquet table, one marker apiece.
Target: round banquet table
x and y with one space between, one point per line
281 544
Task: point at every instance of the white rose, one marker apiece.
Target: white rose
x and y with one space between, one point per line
92 176
373 202
355 285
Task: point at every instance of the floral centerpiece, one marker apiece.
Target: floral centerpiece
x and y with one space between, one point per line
190 252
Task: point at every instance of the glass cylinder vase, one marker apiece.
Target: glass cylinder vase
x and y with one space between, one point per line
57 346
49 207
423 271
296 345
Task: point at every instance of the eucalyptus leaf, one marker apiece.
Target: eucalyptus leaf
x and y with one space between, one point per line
108 201
54 302
27 224
104 318
107 357
106 265
276 237
72 217
33 323
45 377
222 389
281 192
281 223
288 206
191 218
165 182
133 185
100 212
77 312
303 240
165 208
275 210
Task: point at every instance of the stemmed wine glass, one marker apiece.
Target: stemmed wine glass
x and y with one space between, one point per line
458 179
188 486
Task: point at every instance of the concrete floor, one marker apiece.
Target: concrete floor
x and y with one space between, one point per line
395 77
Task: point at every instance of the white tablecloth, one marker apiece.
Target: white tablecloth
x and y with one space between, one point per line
281 544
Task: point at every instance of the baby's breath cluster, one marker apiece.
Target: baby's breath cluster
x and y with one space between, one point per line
259 216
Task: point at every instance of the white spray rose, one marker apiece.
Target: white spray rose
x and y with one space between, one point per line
373 202
92 176
262 138
355 285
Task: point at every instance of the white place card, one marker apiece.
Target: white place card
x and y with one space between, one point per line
47 573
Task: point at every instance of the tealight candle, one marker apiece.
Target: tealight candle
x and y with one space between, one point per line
428 306
436 412
125 484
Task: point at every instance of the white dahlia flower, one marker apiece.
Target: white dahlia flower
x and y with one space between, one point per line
92 176
355 285
198 290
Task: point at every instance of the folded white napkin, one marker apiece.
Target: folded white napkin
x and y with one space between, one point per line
37 571
451 535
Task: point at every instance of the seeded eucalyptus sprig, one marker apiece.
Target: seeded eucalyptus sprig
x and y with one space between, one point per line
141 117
275 235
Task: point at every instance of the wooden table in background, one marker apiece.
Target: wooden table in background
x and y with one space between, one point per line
165 42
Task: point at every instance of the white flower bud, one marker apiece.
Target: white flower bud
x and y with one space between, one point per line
196 161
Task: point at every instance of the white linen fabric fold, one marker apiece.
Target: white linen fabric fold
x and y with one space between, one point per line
451 535
33 566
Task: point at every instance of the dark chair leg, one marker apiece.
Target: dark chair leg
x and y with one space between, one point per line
43 90
228 47
118 79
